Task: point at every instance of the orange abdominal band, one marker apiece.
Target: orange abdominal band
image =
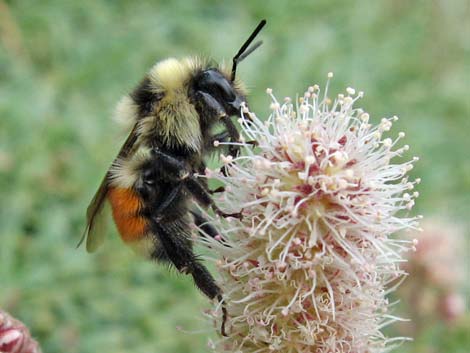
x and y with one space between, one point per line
126 205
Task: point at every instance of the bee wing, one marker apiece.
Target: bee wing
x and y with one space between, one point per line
95 229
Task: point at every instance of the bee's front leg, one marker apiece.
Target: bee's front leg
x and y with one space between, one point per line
232 130
220 137
234 150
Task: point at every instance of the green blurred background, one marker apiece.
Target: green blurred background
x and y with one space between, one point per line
64 65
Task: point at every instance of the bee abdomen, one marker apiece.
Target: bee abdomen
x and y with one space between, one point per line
126 204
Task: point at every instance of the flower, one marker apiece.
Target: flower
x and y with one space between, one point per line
309 266
439 257
437 267
452 306
15 337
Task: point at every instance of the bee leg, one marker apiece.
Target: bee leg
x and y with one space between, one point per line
231 128
253 143
234 136
202 170
224 315
203 197
178 249
213 104
207 229
233 150
201 222
220 137
167 201
222 114
172 166
215 191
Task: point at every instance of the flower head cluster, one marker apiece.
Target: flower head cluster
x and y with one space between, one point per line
437 267
439 255
308 267
15 337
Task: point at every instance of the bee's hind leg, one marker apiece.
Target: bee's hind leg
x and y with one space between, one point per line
178 249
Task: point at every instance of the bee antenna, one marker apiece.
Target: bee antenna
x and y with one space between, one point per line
244 51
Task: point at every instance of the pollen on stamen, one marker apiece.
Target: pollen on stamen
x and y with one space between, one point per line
310 159
387 142
365 117
350 90
226 159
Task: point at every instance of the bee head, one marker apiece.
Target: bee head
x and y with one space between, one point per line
217 92
181 100
221 92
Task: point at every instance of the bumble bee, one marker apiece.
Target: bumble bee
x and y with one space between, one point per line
151 183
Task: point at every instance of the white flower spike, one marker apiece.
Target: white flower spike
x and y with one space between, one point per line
308 267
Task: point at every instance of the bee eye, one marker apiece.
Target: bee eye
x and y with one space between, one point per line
214 83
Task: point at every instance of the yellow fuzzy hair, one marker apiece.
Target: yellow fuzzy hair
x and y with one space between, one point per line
177 120
175 117
172 75
145 246
126 113
125 172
